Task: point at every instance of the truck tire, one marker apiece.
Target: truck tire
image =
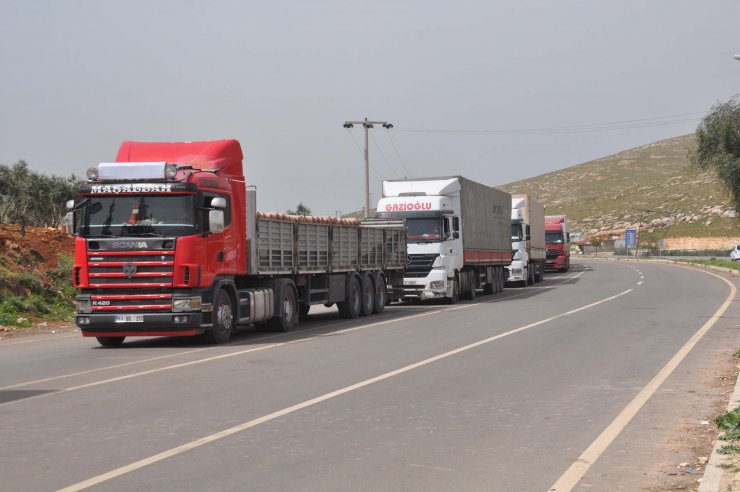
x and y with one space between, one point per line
455 291
368 294
223 318
530 274
489 288
381 293
469 294
350 307
538 272
111 341
286 306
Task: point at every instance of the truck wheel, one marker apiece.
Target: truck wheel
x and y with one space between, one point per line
111 341
538 272
223 319
350 307
368 294
489 288
455 291
469 294
381 294
286 306
530 275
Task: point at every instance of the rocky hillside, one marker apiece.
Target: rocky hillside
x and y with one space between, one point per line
654 185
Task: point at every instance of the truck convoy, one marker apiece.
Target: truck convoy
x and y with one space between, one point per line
169 243
557 239
458 237
527 240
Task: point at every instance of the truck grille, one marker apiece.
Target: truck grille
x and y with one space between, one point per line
119 269
131 302
419 265
552 254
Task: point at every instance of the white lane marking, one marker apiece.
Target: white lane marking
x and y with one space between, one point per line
98 369
45 339
222 356
311 330
300 406
639 283
578 469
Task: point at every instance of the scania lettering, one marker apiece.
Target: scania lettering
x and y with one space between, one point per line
169 243
458 236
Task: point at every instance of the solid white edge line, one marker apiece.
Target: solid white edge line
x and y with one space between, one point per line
280 413
578 469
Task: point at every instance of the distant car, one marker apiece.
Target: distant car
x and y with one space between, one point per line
735 253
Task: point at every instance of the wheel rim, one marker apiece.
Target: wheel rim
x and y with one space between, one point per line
225 317
287 307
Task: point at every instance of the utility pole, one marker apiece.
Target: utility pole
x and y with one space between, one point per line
367 125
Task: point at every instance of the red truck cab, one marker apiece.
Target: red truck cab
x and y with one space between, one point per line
146 257
557 243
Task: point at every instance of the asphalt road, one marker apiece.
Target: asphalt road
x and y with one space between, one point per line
507 392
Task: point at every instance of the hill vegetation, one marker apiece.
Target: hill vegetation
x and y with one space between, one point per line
654 186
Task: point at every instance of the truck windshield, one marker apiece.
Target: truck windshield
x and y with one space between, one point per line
424 230
119 216
516 231
554 237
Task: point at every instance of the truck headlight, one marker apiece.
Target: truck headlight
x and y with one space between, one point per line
186 303
83 305
437 284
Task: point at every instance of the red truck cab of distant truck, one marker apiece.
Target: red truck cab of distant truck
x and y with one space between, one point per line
169 243
557 243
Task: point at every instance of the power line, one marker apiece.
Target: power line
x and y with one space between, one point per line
383 156
395 149
362 153
583 128
366 124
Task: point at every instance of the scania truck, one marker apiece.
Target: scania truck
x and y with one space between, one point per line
527 240
557 239
458 237
169 243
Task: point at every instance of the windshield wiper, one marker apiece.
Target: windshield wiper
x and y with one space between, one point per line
144 234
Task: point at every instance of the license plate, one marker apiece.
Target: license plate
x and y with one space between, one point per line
129 318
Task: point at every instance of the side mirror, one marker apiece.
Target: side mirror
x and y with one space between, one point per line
218 202
70 204
216 219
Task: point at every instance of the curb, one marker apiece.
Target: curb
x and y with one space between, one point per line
713 473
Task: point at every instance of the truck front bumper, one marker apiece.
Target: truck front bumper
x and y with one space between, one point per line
142 324
434 286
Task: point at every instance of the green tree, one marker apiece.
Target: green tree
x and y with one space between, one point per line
595 242
301 209
718 137
29 198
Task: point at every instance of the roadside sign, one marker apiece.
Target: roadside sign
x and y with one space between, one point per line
630 238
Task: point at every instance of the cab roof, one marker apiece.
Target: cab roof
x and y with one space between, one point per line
223 155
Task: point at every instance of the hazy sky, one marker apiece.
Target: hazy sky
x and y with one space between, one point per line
534 86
